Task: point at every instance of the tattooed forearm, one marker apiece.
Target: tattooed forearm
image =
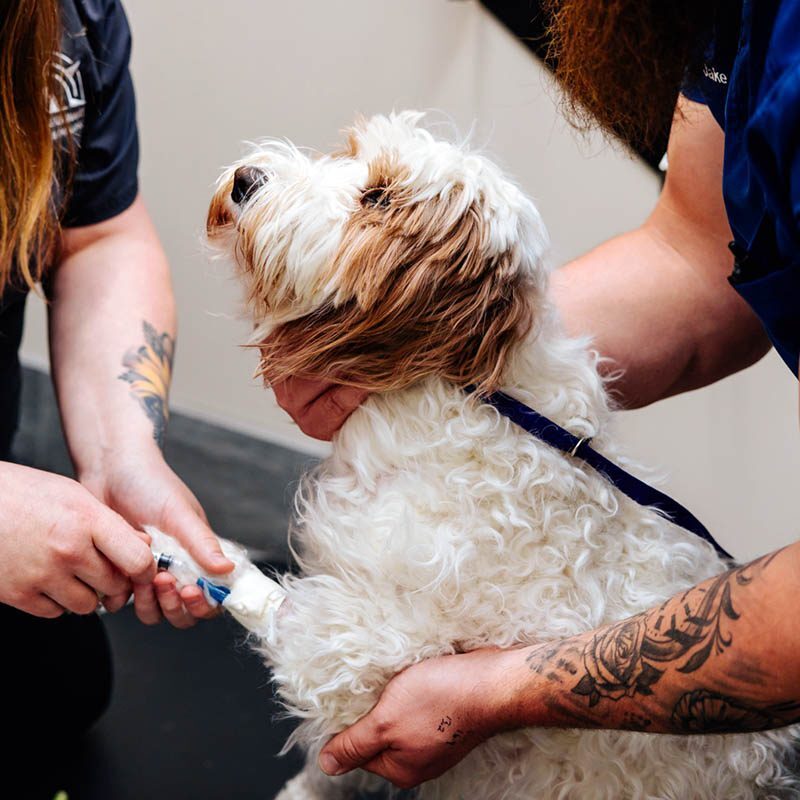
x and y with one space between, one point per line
149 371
645 661
703 711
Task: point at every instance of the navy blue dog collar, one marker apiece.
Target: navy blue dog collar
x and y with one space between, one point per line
640 492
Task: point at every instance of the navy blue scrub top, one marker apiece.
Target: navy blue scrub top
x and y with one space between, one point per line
751 84
97 103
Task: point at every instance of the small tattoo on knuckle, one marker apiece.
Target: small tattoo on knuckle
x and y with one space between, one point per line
456 738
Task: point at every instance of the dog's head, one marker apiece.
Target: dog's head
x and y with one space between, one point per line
397 258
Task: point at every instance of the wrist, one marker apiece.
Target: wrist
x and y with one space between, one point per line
100 441
109 463
512 691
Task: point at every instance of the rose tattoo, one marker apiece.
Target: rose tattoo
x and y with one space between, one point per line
614 664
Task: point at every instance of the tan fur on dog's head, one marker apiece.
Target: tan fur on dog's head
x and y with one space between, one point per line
400 258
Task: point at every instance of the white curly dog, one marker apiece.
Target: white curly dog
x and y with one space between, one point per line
414 268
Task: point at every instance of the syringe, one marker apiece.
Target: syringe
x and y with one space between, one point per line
185 575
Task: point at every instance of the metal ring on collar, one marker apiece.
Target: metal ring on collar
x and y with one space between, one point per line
582 441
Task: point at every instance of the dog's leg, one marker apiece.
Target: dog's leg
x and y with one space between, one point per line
312 784
300 788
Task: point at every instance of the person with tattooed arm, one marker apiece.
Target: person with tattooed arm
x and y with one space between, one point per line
71 217
672 306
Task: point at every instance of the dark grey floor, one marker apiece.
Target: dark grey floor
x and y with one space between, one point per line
192 714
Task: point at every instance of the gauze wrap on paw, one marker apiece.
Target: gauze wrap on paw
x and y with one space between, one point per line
252 599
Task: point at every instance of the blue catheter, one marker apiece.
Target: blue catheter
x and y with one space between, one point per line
640 492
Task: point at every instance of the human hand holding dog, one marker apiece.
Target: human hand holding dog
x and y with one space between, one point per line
603 678
66 547
319 408
428 718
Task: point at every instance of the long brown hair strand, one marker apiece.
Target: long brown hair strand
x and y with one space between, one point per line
29 38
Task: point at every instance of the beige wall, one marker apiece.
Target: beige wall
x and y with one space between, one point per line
211 74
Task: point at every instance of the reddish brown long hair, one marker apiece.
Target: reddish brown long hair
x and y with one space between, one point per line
29 38
622 62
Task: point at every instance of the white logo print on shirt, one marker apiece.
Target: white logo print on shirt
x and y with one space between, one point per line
714 75
70 108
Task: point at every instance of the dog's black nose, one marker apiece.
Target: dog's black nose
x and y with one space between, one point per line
245 181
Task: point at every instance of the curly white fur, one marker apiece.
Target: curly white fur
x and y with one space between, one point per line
436 525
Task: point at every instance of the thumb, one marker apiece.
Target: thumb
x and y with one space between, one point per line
186 525
118 542
352 748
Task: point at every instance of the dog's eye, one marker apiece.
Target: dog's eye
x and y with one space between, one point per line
376 197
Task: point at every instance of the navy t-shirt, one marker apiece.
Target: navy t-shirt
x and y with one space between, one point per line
751 83
96 100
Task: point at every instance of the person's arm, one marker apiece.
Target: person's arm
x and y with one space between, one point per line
657 300
721 657
112 337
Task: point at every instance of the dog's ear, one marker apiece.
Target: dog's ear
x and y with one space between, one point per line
424 286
